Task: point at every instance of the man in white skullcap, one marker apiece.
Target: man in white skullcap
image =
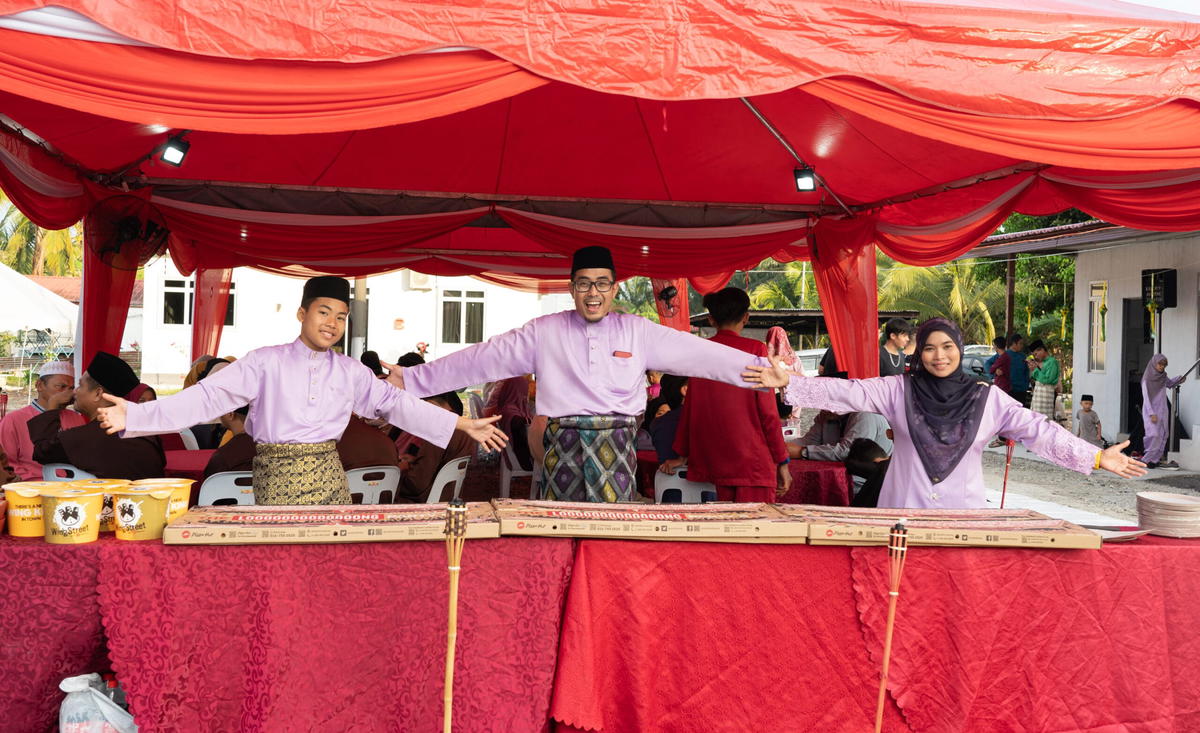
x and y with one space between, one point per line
55 387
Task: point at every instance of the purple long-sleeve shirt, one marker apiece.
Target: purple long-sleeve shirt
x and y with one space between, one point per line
907 484
296 395
583 368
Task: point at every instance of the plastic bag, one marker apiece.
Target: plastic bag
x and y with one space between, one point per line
88 710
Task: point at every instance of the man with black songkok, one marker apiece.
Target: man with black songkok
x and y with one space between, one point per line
590 366
88 447
301 396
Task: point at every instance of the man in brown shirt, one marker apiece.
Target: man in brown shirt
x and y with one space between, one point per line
88 447
421 467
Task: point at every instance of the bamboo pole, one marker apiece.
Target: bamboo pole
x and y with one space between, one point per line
456 535
897 550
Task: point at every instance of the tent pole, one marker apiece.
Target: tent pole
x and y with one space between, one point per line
358 318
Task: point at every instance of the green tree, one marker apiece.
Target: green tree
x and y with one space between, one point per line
952 290
792 286
31 250
637 297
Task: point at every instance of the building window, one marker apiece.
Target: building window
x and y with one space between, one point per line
178 298
1097 302
462 316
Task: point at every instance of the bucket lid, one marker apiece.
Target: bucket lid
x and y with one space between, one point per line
30 489
163 482
158 492
70 492
104 484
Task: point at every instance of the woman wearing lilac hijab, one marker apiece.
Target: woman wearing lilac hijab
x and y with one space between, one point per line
1155 412
941 420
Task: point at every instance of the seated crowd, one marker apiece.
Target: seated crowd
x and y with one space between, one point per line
724 435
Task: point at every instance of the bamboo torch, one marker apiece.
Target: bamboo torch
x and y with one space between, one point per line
897 549
456 536
1008 451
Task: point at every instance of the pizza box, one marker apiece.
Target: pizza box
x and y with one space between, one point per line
718 522
945 527
252 525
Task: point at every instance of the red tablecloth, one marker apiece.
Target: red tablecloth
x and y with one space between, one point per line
188 463
777 638
1069 640
818 482
52 630
333 637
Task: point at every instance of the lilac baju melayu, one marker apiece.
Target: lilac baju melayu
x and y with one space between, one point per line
585 369
300 402
1154 403
907 485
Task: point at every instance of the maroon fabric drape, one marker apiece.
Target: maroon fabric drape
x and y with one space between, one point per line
844 269
104 306
673 314
208 310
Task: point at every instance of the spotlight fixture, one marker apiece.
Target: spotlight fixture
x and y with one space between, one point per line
174 150
806 179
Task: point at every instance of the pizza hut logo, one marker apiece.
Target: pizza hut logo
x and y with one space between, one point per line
829 533
69 516
520 525
186 533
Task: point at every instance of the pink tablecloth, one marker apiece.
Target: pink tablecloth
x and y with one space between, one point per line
818 482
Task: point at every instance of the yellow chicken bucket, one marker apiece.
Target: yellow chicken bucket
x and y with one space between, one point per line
71 515
141 512
181 493
106 486
25 507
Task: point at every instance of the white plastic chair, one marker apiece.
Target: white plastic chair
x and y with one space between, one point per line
510 468
189 439
227 487
50 472
452 475
690 492
373 484
790 431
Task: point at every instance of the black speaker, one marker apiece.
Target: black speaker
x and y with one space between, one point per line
1159 286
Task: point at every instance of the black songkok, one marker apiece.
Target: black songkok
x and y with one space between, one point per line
327 286
112 373
589 257
1086 398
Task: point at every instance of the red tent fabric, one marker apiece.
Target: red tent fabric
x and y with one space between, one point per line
338 150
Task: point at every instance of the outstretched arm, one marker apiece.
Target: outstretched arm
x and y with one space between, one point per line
507 355
877 394
685 355
1054 443
221 392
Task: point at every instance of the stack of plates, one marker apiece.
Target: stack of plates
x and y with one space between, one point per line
1169 515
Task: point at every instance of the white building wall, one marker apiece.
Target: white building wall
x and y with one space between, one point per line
1121 267
402 312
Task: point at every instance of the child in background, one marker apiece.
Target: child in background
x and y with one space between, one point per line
653 384
1087 422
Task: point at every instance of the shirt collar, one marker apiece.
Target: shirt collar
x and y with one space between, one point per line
37 407
301 350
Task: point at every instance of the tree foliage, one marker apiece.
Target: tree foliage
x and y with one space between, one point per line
31 250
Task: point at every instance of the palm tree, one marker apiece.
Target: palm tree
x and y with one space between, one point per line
793 287
636 296
951 291
29 249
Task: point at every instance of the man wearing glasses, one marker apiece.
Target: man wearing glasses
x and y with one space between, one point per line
55 387
590 366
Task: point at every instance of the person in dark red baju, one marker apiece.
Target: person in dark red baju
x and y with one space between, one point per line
729 436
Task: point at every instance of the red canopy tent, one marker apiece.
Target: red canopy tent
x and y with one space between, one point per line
325 140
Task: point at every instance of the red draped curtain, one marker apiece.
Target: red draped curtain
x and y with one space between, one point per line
208 310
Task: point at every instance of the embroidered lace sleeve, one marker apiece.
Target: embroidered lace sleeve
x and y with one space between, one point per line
846 395
1049 440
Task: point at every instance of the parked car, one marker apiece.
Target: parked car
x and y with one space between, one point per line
973 366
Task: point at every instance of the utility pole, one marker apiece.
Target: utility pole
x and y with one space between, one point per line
1010 295
358 318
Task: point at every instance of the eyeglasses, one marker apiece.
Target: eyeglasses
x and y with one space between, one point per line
582 286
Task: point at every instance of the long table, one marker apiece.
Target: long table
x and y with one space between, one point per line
609 635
